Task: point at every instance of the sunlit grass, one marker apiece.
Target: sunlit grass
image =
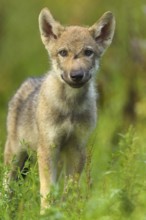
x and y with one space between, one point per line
117 193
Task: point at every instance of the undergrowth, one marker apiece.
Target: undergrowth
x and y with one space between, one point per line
118 194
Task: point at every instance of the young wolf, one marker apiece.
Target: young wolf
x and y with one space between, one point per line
56 113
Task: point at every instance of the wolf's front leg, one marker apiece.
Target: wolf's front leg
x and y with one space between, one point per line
47 161
75 161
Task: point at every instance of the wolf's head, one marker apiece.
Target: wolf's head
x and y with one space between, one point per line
75 50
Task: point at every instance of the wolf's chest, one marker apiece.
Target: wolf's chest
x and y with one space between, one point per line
64 127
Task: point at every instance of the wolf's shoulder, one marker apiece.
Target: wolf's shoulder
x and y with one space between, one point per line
30 86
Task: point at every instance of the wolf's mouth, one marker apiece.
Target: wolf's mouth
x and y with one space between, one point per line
76 84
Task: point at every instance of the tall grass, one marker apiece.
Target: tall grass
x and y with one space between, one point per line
119 192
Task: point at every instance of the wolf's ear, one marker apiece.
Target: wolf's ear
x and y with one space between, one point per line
49 28
103 31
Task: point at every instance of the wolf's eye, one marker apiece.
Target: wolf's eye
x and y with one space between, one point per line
88 52
63 53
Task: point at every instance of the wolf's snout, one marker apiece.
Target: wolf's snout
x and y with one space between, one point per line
77 76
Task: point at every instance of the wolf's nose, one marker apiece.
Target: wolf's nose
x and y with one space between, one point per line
77 76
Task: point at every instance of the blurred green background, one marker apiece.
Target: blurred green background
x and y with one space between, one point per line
121 80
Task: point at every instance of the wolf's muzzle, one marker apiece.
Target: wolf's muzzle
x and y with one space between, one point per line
76 76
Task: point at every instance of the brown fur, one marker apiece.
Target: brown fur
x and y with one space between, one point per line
56 113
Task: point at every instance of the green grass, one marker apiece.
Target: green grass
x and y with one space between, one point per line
117 191
113 184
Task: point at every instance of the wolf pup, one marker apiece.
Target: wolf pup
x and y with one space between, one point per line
55 114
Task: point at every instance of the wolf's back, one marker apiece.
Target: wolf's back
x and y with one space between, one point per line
22 106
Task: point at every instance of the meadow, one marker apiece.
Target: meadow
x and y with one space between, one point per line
113 184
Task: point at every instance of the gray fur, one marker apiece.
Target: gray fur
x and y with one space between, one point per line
55 114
